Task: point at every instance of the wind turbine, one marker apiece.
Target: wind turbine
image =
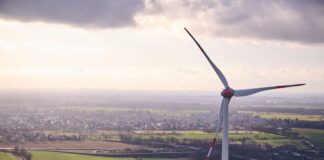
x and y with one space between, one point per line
227 94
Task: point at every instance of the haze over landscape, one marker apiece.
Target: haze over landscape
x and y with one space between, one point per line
122 80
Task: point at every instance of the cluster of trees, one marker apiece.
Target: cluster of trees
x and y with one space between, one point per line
296 110
41 136
22 153
20 135
295 123
168 140
308 124
271 125
15 136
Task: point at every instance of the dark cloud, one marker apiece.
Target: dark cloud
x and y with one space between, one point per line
287 20
84 13
283 20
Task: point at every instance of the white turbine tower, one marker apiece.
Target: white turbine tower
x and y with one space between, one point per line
227 94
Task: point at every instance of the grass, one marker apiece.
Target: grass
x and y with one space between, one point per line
257 136
300 117
282 142
44 155
203 135
316 136
206 135
7 156
173 134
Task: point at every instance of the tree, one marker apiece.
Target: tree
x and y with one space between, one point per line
22 153
16 150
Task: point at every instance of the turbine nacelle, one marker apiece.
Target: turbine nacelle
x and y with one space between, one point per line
228 92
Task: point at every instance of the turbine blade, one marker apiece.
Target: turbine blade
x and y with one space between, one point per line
246 92
218 126
218 72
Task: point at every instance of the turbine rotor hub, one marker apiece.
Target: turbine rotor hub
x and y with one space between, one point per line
227 92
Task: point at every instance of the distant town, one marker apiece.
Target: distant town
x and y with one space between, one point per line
159 123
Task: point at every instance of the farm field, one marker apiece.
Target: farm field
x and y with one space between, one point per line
44 155
282 142
316 136
94 135
259 137
7 156
300 117
165 134
235 134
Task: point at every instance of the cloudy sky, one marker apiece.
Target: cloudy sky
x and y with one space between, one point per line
141 44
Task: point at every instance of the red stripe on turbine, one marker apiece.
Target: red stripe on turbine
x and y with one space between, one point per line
212 144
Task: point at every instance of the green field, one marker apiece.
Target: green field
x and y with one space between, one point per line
316 136
43 155
257 136
207 135
282 142
272 115
7 156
